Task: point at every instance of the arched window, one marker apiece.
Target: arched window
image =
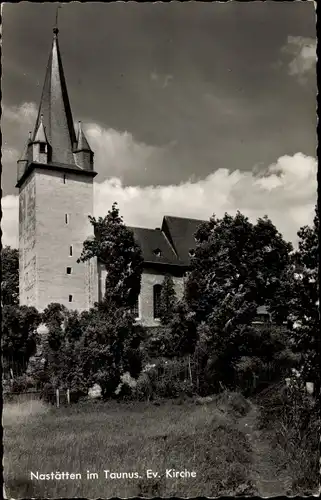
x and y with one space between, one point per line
157 290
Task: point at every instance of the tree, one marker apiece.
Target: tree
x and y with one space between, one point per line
167 300
305 311
237 267
19 336
108 348
114 246
56 363
10 276
236 263
109 345
182 330
176 339
54 317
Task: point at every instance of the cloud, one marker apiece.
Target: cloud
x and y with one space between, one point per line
9 155
24 115
16 122
9 221
119 154
286 192
163 80
119 151
302 54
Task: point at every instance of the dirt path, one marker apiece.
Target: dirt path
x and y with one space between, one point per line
267 478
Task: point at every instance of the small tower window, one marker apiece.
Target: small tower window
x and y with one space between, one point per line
157 252
42 147
67 218
68 270
157 290
70 250
70 298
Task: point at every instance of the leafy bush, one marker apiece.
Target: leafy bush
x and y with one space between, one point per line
22 384
143 389
164 379
156 342
234 402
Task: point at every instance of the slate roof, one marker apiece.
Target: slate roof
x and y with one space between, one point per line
180 232
174 241
152 240
25 156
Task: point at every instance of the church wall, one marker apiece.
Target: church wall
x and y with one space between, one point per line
56 199
146 302
149 279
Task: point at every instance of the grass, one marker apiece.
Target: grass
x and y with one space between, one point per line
125 437
293 429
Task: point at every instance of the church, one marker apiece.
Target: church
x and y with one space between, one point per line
55 177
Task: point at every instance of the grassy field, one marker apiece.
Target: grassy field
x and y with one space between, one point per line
120 437
222 441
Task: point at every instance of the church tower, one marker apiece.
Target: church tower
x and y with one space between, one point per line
55 182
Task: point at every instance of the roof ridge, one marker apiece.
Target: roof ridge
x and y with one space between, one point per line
183 218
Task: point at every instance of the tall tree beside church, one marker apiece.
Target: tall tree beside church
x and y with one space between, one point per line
115 247
19 336
237 267
110 342
167 300
305 306
10 276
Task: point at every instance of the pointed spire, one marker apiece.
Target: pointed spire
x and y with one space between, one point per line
55 107
82 143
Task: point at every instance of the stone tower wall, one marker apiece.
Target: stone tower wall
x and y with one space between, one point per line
52 238
27 243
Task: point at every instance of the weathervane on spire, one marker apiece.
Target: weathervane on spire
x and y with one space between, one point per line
56 30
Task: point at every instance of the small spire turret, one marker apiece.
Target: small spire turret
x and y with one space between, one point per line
39 146
23 161
84 156
40 135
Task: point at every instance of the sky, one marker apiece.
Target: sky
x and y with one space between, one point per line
190 108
